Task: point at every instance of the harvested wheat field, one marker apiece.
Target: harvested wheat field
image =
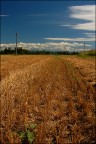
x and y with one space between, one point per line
47 99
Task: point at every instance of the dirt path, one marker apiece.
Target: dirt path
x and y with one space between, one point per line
54 95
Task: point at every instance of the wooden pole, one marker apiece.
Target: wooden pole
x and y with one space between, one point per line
84 46
16 43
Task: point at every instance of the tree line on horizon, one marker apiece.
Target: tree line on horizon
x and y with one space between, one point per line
26 51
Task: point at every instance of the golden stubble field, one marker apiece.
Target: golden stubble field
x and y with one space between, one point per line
55 93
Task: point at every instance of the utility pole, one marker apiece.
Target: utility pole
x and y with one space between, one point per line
16 43
84 46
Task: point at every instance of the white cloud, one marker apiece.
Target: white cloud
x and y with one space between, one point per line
81 12
85 26
84 12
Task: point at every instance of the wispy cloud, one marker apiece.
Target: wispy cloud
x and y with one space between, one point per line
88 37
72 39
84 12
4 15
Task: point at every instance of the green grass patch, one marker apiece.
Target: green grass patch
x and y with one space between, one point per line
91 53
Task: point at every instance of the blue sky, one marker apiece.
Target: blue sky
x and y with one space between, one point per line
48 21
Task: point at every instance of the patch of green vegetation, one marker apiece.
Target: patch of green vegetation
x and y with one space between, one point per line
86 54
28 135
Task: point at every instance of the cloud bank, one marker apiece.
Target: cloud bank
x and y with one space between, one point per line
60 46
